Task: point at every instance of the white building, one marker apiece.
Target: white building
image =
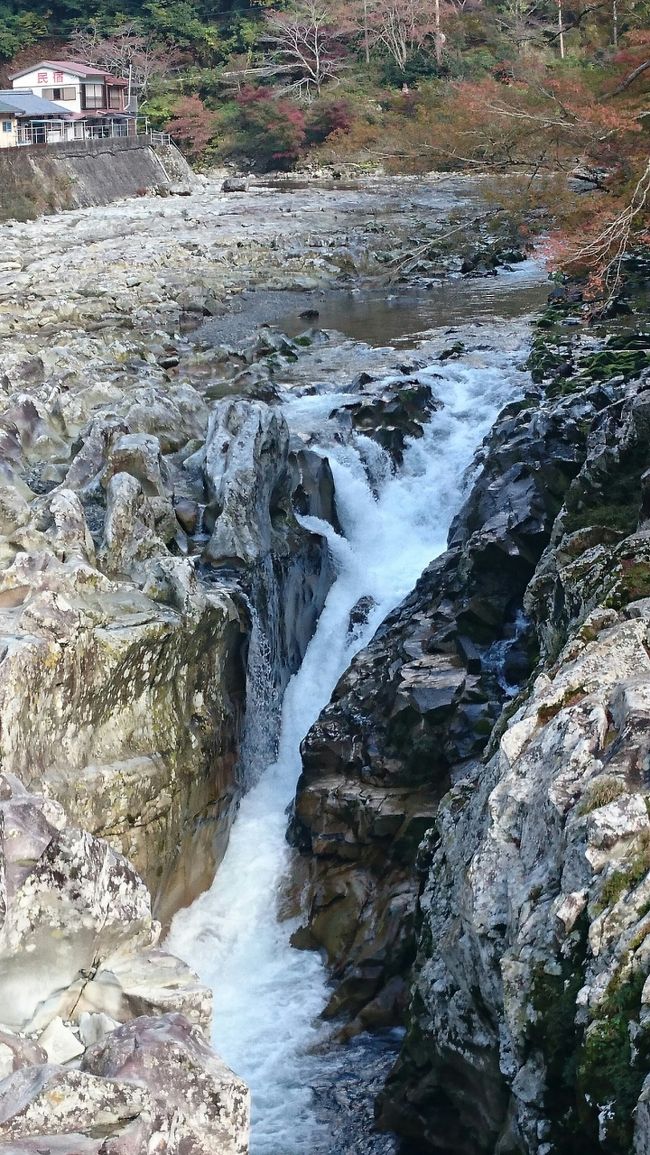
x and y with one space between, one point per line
8 125
28 119
81 89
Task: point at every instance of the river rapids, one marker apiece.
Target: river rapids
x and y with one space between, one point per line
268 995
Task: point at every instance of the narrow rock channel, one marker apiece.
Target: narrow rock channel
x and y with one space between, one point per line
210 504
391 521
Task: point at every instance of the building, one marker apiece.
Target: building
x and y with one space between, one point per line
83 89
60 101
8 125
28 119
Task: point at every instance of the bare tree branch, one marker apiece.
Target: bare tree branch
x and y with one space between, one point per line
629 79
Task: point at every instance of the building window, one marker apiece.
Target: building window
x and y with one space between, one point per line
59 93
7 126
114 97
93 96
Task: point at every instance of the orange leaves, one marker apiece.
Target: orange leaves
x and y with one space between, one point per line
609 232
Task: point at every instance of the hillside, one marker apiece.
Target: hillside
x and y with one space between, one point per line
412 85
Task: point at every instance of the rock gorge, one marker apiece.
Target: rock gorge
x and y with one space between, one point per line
470 825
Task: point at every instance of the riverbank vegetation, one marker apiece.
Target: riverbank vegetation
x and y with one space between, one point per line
553 90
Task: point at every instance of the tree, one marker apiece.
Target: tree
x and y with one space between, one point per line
401 27
126 50
608 237
268 129
192 125
303 43
19 30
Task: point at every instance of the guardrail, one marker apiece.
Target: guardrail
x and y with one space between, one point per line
68 131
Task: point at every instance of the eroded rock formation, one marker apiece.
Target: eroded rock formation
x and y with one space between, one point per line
419 703
124 627
102 1034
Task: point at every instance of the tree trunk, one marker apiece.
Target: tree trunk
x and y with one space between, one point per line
561 28
438 36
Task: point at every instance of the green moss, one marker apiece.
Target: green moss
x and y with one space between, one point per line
612 516
614 362
570 698
635 581
587 1070
629 876
613 887
608 1072
555 1034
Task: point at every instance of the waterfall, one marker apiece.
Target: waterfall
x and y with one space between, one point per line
268 995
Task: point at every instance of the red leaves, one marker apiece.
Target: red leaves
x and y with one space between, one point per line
272 129
192 125
326 118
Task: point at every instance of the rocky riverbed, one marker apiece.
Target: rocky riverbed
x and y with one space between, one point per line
169 535
151 527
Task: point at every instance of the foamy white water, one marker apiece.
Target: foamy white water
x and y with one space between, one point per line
267 995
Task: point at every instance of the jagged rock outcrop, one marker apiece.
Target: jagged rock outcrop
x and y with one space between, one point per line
419 703
247 480
122 680
102 1034
529 1013
391 411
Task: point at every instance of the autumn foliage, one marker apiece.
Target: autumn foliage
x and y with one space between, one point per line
535 89
192 125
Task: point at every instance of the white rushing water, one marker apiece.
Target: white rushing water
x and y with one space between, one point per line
268 995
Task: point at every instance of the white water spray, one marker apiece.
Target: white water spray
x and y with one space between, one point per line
268 995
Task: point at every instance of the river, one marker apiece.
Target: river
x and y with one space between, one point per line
268 995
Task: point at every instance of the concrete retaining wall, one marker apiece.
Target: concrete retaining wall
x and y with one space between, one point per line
43 178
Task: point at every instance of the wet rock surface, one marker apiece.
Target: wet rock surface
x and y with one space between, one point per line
418 705
528 1016
393 415
151 505
345 1102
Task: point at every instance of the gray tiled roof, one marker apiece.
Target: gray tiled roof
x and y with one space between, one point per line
24 103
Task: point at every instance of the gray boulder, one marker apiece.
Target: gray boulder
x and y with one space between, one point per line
195 1097
246 472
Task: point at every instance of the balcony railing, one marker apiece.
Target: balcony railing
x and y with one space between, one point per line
65 131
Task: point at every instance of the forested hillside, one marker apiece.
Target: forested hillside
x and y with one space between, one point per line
539 87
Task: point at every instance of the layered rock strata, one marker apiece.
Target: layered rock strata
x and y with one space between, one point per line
528 1016
419 704
102 1034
